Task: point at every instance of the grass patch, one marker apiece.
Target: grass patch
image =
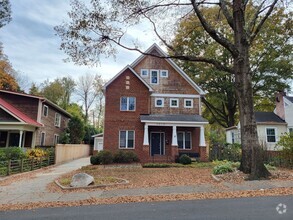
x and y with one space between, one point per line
65 181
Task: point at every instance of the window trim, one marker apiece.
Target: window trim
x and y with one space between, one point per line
159 106
185 100
275 129
126 138
158 78
167 73
47 112
127 104
173 99
44 138
58 124
58 139
147 73
184 139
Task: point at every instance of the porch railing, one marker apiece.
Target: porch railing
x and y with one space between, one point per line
9 167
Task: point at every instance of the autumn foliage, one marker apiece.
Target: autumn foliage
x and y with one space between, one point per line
7 81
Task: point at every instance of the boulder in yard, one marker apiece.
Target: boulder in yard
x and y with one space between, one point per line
81 180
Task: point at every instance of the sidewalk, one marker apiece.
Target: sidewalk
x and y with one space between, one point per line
34 189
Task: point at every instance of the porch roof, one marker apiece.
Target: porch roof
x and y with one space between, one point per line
18 114
174 118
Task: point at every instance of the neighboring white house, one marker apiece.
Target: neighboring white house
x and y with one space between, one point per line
98 142
269 129
284 108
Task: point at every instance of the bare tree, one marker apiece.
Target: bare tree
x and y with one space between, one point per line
97 28
88 90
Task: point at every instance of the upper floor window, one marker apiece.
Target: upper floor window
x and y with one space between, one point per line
174 103
164 73
188 103
126 139
45 110
184 140
154 76
144 72
271 135
57 120
159 102
127 104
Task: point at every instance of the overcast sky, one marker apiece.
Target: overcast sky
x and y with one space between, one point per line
32 47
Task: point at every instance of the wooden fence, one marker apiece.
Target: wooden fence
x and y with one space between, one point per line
67 152
9 167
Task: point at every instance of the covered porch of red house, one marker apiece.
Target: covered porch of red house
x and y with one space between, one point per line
166 137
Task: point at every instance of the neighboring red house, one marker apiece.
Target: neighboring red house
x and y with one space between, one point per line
154 108
29 121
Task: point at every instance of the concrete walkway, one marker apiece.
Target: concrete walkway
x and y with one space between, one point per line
34 189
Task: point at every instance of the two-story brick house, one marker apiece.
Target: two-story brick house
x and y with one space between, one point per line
153 108
29 121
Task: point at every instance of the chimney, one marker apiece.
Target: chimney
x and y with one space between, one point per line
280 106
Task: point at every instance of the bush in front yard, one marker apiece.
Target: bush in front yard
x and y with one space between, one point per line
11 153
36 154
122 156
223 168
95 160
184 159
105 157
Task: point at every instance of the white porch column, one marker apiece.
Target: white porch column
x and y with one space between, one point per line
146 135
174 136
202 141
20 139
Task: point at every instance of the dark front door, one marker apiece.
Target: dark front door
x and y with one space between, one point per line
157 143
13 140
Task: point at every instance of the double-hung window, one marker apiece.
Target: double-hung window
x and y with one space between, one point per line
271 135
45 110
56 139
127 103
57 122
42 139
184 140
154 76
126 139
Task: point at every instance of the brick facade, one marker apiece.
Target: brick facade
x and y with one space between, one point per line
130 83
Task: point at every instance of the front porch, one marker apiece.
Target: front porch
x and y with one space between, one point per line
166 137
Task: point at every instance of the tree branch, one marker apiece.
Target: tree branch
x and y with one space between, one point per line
229 18
218 37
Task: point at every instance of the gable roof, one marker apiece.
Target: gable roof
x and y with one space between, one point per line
268 117
172 63
134 73
18 114
39 98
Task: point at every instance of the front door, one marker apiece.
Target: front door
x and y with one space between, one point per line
157 143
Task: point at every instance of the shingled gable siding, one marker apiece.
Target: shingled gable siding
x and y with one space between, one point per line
49 126
173 84
116 120
27 105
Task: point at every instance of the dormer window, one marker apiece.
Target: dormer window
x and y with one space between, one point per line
144 72
154 76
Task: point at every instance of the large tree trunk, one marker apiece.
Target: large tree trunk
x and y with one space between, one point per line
252 160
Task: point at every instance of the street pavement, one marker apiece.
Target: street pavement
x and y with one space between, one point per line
35 189
268 208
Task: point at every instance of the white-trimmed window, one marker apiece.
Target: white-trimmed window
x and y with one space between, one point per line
164 73
56 139
174 103
45 110
43 139
184 140
57 120
159 102
154 76
127 103
126 139
271 135
144 72
188 103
